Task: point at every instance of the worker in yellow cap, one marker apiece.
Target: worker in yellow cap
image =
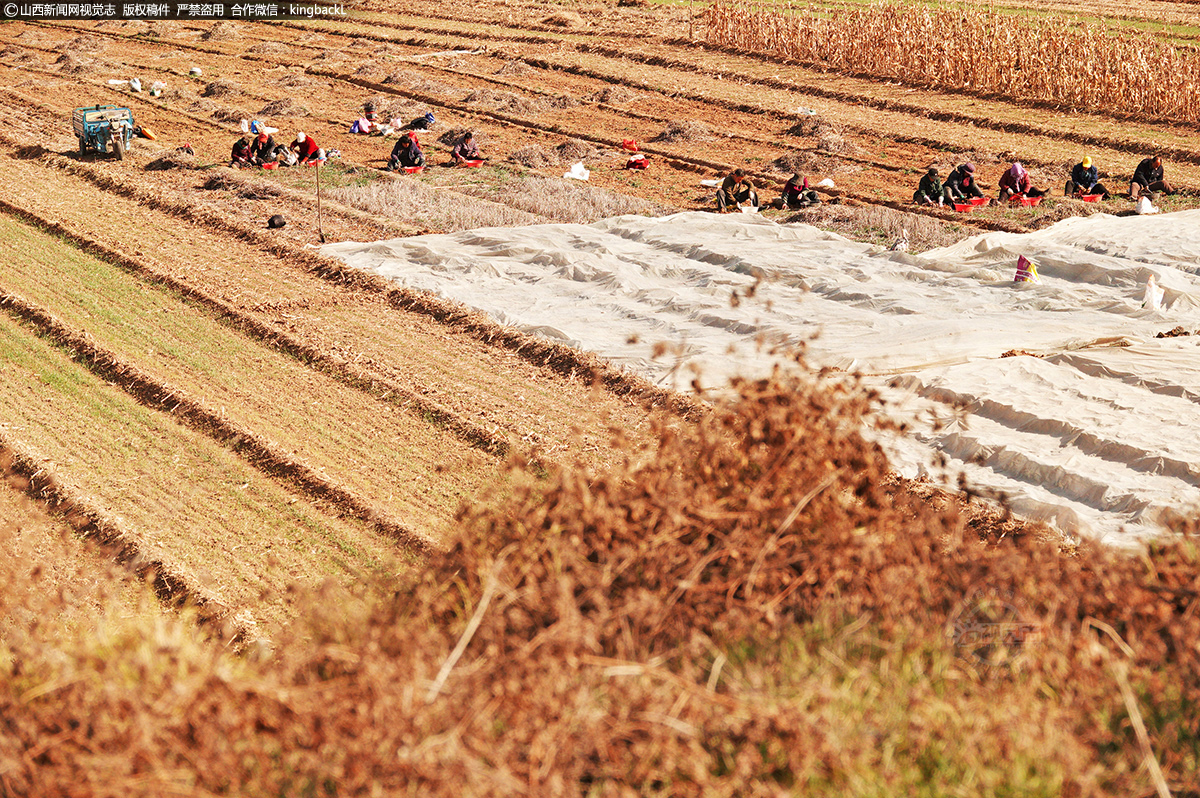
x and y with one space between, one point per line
1085 180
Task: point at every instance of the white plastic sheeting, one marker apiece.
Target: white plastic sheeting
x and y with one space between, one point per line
1099 435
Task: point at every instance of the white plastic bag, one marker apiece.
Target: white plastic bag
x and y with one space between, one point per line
578 172
1154 294
1145 206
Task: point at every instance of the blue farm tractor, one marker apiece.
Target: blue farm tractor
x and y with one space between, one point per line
103 128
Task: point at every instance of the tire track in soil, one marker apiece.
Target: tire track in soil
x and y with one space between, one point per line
205 420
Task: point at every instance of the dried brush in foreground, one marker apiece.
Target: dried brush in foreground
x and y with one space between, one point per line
740 609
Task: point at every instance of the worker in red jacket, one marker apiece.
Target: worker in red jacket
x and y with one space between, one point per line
306 149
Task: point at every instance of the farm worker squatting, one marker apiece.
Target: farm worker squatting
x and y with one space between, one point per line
1016 182
1085 180
735 190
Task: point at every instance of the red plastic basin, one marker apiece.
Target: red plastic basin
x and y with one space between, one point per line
412 170
964 207
977 201
1028 202
473 164
1090 197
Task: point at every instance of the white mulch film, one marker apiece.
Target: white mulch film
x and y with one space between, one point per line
1095 438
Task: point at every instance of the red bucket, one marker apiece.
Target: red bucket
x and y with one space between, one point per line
412 170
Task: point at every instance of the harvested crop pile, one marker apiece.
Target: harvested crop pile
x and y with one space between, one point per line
71 64
221 32
685 130
268 48
18 55
415 81
534 156
515 68
82 44
1176 332
504 101
807 126
173 160
295 79
573 150
564 19
615 95
228 180
740 609
451 136
220 88
230 115
283 107
809 162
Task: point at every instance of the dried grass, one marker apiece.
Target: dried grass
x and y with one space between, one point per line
226 179
573 150
564 200
748 605
685 130
415 203
71 64
809 162
18 55
877 224
1069 63
510 103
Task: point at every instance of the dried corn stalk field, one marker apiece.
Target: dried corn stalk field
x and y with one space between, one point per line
1055 60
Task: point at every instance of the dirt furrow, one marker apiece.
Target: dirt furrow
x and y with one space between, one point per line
91 521
209 421
373 327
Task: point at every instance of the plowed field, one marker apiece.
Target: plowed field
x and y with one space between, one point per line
179 372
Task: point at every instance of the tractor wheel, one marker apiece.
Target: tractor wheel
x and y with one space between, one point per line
82 146
119 147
